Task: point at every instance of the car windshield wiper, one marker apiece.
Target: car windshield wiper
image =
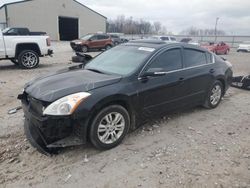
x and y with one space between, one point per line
95 70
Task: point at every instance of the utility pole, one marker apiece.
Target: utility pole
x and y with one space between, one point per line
6 15
215 29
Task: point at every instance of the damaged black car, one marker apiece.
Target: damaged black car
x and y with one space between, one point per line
118 90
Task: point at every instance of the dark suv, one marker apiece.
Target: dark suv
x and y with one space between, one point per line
92 41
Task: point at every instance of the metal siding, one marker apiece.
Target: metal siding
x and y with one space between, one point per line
42 15
2 15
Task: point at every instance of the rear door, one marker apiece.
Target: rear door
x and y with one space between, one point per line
198 74
2 47
94 42
102 40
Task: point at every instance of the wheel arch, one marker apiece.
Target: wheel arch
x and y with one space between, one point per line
223 81
27 46
118 99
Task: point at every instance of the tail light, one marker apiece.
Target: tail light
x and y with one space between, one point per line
48 41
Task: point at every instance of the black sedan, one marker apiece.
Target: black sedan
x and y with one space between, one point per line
118 90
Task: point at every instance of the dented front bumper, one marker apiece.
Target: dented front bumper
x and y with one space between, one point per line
48 133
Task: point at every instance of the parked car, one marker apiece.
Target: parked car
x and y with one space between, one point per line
220 48
244 47
190 41
115 39
92 41
24 48
117 90
124 40
164 38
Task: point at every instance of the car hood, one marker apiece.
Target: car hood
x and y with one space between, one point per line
52 87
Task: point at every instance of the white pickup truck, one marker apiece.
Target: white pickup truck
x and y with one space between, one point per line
23 47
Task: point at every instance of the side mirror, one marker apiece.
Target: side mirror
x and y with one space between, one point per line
153 72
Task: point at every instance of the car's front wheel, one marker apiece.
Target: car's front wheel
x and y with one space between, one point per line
109 127
214 95
85 49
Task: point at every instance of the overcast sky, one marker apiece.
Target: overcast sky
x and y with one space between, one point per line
177 15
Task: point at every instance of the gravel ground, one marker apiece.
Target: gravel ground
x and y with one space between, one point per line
194 148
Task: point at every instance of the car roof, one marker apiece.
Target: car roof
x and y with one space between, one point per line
158 44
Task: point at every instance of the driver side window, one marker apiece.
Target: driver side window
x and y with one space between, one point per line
167 61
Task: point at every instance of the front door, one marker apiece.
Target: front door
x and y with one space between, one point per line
161 94
2 47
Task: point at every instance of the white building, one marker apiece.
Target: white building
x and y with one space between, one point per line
61 19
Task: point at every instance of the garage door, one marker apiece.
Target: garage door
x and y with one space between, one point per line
68 28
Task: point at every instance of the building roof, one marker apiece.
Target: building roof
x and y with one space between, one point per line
9 2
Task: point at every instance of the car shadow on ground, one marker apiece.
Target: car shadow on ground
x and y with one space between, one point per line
147 126
16 67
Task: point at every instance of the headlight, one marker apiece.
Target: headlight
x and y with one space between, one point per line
66 105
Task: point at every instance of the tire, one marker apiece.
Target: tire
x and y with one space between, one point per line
28 59
14 61
120 128
116 43
214 95
78 59
108 47
85 49
227 52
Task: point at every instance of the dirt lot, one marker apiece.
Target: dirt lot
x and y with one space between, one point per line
194 148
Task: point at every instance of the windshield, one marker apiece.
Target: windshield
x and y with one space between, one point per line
86 37
5 30
122 60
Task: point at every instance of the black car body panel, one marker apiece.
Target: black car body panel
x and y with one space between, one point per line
53 87
143 97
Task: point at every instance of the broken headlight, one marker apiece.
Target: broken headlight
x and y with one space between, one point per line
66 105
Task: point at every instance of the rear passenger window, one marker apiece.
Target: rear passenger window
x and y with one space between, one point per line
194 57
168 61
209 58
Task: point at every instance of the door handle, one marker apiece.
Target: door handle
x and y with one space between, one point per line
212 71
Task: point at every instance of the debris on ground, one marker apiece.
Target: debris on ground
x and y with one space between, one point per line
14 110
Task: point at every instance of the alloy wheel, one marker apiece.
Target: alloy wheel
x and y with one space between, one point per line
29 60
111 128
215 95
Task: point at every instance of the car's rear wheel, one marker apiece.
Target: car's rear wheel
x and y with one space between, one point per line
109 127
85 49
28 59
214 95
108 47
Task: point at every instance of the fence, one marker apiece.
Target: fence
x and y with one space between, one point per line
233 41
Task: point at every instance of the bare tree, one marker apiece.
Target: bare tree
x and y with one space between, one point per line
157 27
193 31
130 26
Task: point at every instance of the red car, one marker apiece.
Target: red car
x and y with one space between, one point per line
220 48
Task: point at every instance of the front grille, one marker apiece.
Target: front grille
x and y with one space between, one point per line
35 106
